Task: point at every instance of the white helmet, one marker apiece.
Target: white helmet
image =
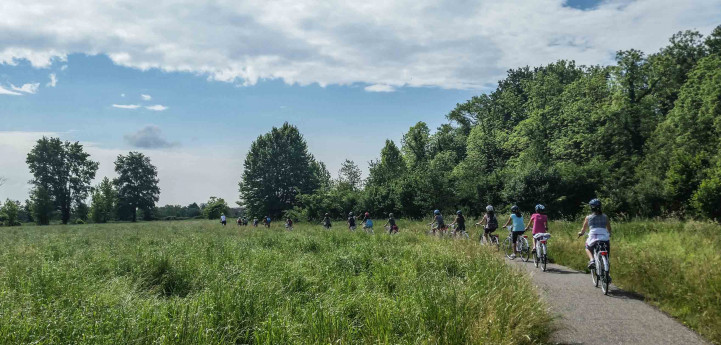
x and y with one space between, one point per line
489 208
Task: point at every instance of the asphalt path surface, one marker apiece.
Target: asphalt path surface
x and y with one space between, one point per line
583 315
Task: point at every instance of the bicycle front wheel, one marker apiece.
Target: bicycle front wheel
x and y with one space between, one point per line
507 247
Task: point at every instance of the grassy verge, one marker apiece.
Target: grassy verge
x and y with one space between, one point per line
675 265
193 282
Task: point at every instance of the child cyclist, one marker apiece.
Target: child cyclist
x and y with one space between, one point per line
326 221
540 224
367 223
351 222
289 224
391 225
460 221
518 227
599 230
490 224
438 220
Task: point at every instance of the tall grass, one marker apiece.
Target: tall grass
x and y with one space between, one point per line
197 283
674 265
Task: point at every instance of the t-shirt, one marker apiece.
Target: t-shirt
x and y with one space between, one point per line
439 220
391 222
539 223
518 223
351 221
326 220
461 222
222 218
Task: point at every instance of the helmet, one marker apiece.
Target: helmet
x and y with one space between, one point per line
515 209
350 214
489 208
436 212
327 214
390 215
595 204
459 212
540 207
367 214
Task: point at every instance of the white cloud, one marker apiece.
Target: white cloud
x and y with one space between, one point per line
146 97
53 80
157 107
63 67
126 106
30 88
379 88
122 95
4 91
448 44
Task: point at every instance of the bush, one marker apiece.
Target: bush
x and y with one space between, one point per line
10 213
79 221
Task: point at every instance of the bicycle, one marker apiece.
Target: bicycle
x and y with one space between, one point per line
492 237
540 255
453 232
601 272
521 242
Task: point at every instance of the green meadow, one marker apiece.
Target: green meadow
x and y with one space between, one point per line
195 282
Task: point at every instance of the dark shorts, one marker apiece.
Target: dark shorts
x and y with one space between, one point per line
515 234
595 244
461 227
488 231
222 222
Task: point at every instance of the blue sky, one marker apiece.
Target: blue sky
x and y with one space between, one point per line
192 84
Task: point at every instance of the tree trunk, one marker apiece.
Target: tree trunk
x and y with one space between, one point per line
135 214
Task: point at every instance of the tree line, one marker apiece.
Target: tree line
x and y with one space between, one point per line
643 135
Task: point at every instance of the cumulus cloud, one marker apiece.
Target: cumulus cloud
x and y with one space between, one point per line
156 107
53 80
30 88
149 137
379 88
448 44
126 106
146 97
4 91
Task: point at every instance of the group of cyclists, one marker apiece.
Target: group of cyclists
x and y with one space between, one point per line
596 224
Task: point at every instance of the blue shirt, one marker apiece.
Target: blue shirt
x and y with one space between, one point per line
518 224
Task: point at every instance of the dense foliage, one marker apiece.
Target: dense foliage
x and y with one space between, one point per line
62 172
642 135
137 186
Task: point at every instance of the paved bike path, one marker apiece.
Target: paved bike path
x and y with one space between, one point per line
585 316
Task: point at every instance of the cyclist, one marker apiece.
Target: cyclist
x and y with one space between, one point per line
600 230
391 224
289 224
255 222
326 221
540 223
367 223
517 226
460 221
267 222
489 222
438 220
351 222
239 221
222 219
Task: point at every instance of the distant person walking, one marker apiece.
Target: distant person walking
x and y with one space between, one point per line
351 222
326 221
255 222
222 219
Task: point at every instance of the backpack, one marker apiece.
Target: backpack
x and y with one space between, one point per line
492 223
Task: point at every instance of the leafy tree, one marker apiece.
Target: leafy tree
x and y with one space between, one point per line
42 205
104 202
415 145
9 212
193 210
137 185
349 176
64 170
215 208
277 168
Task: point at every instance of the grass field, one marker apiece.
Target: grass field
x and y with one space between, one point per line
194 282
674 265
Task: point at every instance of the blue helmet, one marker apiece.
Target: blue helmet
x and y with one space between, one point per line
459 212
515 209
540 207
436 212
595 204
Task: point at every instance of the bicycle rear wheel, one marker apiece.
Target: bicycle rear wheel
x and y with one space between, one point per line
606 276
594 275
536 258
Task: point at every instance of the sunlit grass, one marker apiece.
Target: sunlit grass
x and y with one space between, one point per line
195 282
675 265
